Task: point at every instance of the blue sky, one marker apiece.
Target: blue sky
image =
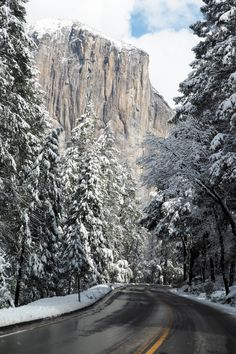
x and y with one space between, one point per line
181 20
160 27
139 25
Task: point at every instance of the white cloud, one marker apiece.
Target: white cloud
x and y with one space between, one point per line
162 14
169 50
170 56
109 16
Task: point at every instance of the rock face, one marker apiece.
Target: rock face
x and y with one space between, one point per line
77 65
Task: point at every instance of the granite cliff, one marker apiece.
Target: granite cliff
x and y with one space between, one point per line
77 64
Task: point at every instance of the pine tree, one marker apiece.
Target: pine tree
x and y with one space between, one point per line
5 294
100 214
135 237
113 195
123 232
44 184
87 251
21 130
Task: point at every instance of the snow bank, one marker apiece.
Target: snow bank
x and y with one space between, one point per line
54 306
203 299
232 293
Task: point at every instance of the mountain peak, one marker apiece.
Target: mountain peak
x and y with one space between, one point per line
78 64
52 26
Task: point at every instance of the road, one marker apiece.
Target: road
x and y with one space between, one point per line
137 320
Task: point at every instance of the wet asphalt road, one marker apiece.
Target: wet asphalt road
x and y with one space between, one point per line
139 319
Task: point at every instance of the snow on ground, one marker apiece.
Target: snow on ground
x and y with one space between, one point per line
54 306
218 295
232 293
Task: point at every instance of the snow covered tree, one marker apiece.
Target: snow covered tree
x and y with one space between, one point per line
135 237
200 149
22 117
22 126
209 94
74 258
209 97
122 211
167 217
113 196
87 248
101 216
44 185
5 293
121 272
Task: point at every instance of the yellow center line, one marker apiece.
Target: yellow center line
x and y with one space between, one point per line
148 343
157 341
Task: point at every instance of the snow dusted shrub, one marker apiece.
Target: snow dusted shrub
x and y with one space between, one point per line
218 296
171 273
151 272
209 288
121 272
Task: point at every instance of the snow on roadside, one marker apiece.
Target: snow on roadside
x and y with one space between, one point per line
232 293
54 306
203 299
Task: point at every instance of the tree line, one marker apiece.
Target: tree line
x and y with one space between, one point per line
193 171
62 216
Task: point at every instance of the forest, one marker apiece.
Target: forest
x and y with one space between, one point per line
65 215
193 170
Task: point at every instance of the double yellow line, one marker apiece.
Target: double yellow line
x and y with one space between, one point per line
155 343
159 342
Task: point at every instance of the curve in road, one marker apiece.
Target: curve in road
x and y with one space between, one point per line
137 320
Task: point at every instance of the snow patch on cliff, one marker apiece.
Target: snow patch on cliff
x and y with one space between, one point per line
57 26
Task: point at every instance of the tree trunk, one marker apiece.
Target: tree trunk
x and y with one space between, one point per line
19 275
204 259
232 273
223 205
79 287
69 287
165 272
222 255
191 264
222 261
185 259
212 270
216 262
204 270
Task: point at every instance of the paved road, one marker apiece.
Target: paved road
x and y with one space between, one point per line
136 320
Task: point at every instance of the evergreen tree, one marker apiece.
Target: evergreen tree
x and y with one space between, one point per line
44 184
135 237
21 130
101 217
5 294
124 234
87 251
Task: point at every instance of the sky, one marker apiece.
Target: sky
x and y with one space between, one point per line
160 27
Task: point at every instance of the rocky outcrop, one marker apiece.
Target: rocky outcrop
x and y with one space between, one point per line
76 65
